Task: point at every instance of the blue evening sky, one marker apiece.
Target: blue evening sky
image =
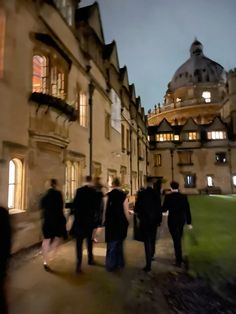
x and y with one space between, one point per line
153 38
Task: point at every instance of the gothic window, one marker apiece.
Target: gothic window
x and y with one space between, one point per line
221 158
190 181
83 110
15 184
40 74
216 135
185 157
71 179
157 160
210 181
2 41
58 81
164 137
192 136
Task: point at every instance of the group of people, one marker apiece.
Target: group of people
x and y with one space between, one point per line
88 208
149 208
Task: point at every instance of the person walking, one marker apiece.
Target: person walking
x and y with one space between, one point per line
5 247
116 226
179 214
99 208
53 222
84 209
148 209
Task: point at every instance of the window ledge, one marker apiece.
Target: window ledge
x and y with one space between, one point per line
13 211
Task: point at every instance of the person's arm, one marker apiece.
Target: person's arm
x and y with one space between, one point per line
126 208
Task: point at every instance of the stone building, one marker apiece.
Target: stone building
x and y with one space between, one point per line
68 108
193 134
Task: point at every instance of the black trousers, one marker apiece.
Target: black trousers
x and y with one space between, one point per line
176 232
79 248
150 245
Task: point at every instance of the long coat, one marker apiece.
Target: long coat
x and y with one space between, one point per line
5 241
179 209
116 224
54 222
84 208
148 209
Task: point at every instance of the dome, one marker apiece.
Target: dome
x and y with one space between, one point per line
197 69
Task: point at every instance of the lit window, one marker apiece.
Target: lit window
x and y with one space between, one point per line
65 7
2 40
71 179
216 135
164 137
190 181
107 125
178 99
148 138
234 180
15 184
221 158
192 136
57 82
207 96
210 181
83 110
40 74
157 160
176 137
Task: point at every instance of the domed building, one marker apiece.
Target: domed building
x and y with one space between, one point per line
192 135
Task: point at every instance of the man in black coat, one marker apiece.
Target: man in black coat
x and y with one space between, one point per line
148 209
179 214
5 250
84 209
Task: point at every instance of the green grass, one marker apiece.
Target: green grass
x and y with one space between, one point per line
211 245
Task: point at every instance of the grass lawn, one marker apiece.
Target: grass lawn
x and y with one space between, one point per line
211 245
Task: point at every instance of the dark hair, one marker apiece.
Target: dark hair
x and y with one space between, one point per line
116 182
53 182
174 185
88 179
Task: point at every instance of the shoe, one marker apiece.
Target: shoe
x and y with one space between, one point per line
47 268
146 269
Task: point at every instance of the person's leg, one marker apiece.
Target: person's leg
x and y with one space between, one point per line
111 255
79 253
3 297
120 255
90 248
54 246
153 241
148 253
45 251
176 236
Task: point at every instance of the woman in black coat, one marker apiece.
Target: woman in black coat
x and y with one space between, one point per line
54 222
116 226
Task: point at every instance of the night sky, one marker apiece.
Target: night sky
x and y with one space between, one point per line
153 38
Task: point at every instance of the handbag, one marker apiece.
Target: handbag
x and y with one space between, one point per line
137 232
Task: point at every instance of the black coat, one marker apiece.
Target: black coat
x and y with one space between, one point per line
5 241
179 209
84 208
148 209
116 224
54 222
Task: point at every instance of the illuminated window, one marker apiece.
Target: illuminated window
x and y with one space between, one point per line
210 181
164 137
207 96
176 137
65 7
192 136
107 125
221 158
157 160
234 180
40 74
2 41
15 184
216 135
71 179
83 110
190 181
57 82
185 157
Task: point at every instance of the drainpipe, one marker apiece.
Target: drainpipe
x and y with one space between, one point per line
91 88
130 161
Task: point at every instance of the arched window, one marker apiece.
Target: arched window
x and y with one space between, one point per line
72 175
15 184
40 74
82 107
67 183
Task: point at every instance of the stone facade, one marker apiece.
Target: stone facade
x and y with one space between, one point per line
68 109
